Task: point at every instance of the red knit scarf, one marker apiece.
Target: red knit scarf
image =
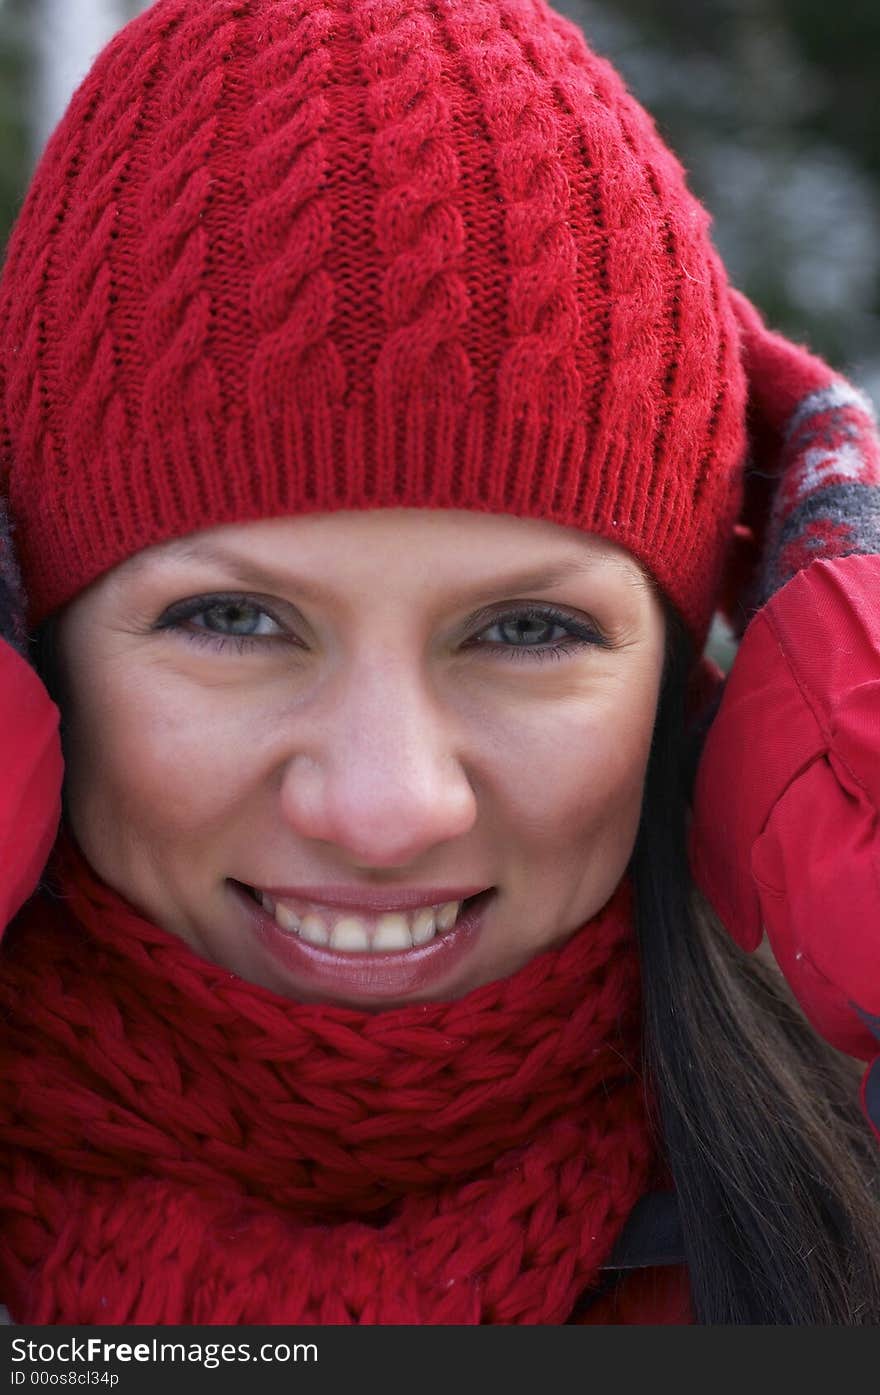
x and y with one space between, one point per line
185 1147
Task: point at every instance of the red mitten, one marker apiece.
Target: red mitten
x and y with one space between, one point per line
30 748
785 836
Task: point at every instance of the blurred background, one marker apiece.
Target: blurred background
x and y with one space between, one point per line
772 106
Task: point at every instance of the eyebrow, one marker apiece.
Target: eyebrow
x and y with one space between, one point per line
251 573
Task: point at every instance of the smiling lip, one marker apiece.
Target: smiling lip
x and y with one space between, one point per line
362 898
314 973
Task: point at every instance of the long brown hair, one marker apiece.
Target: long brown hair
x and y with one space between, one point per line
775 1168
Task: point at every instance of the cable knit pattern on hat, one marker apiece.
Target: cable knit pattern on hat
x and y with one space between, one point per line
297 375
420 233
285 256
179 397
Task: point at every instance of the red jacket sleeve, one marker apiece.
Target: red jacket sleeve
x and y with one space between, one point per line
785 835
30 787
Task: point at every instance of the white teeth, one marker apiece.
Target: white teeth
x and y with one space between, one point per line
392 932
349 933
287 919
447 915
314 930
424 927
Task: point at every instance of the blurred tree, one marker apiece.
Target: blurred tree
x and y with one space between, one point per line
846 50
16 83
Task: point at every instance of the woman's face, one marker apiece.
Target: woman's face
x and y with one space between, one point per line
267 718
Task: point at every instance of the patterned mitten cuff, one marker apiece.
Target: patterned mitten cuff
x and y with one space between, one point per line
813 487
12 619
827 503
871 1096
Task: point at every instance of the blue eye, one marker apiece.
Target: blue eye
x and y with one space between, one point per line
529 623
221 620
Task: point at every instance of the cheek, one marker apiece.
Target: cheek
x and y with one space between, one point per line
162 760
579 770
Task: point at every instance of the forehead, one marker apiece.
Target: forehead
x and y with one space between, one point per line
455 544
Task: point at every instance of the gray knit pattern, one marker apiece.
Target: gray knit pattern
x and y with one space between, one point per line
827 501
12 615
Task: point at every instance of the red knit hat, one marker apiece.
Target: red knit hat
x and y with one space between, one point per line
285 256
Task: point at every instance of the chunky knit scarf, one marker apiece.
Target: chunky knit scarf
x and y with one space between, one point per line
185 1147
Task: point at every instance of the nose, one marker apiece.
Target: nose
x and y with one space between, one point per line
377 771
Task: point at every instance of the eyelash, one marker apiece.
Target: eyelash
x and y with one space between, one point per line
581 636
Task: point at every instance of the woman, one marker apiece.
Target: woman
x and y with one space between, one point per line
352 354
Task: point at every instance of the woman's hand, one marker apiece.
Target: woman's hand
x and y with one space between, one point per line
31 765
785 837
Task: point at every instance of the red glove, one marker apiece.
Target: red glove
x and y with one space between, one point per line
785 835
30 749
